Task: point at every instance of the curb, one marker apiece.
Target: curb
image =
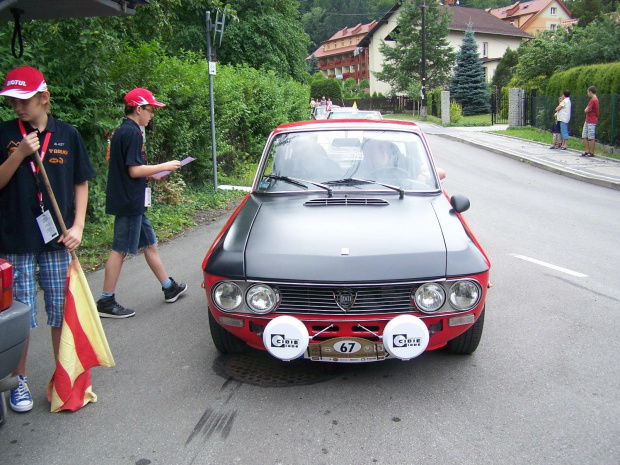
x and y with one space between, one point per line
534 162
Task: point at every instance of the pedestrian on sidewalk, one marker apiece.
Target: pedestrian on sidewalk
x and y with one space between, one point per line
589 127
29 236
564 114
127 197
555 131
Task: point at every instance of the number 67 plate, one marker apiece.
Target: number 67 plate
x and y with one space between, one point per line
346 349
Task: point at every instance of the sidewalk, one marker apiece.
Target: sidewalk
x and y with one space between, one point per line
598 170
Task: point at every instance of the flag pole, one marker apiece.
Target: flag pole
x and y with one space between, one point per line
52 197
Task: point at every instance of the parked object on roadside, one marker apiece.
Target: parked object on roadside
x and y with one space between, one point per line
354 113
127 198
347 249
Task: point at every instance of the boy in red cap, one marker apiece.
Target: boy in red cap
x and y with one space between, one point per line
127 197
25 208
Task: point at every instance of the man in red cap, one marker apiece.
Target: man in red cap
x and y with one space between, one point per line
29 233
127 197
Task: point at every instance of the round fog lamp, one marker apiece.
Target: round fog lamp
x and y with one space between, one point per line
429 297
262 298
227 296
464 295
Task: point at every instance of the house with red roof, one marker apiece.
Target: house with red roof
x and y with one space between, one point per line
492 35
341 55
534 16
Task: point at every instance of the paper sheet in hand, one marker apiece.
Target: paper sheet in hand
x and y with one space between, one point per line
184 162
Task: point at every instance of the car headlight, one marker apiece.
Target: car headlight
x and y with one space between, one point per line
262 298
429 297
227 296
464 295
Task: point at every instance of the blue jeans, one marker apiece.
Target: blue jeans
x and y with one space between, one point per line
132 233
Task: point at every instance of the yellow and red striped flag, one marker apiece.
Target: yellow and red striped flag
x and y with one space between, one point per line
83 345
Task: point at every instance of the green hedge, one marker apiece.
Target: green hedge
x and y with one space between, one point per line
327 87
605 77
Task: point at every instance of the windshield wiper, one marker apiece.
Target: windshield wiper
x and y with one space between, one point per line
300 182
353 181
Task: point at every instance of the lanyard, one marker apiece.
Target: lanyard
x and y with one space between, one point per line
35 170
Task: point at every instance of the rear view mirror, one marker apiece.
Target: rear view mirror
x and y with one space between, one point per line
460 203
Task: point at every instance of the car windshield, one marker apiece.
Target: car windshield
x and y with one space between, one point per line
347 160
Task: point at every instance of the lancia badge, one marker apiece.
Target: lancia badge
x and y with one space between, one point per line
345 299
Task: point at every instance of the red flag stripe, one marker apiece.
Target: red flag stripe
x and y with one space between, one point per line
83 347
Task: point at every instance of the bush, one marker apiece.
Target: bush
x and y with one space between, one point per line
456 112
327 87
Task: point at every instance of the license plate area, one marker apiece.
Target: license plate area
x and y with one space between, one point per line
347 350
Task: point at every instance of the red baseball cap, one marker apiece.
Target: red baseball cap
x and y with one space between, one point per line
23 83
139 97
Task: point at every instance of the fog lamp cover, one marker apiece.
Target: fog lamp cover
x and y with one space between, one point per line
286 338
405 337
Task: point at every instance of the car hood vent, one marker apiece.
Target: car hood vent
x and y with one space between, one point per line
345 201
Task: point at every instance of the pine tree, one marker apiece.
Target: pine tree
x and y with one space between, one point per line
468 86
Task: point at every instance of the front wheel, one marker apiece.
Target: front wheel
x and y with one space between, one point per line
224 341
467 342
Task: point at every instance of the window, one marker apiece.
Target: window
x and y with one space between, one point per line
485 49
350 40
512 23
554 11
335 44
343 42
552 27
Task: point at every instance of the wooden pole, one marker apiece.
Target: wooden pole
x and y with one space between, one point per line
50 192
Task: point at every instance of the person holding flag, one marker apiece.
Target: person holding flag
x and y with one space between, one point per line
29 232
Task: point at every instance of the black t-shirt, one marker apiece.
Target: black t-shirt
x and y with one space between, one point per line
66 164
124 194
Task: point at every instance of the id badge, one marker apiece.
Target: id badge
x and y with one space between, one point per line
47 226
147 197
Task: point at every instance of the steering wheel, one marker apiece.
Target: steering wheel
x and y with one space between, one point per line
389 172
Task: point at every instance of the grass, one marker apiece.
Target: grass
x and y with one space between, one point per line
167 220
475 120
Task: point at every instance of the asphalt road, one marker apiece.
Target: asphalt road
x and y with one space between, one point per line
542 388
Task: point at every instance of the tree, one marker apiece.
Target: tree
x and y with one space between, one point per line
468 86
313 65
565 48
267 35
505 68
402 51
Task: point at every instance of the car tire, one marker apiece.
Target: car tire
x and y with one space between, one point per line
224 341
467 342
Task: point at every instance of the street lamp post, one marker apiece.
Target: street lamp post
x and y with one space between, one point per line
215 28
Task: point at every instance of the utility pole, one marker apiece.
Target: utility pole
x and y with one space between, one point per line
215 28
423 110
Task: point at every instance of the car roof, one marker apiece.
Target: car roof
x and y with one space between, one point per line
350 124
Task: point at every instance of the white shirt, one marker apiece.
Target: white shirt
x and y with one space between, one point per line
564 112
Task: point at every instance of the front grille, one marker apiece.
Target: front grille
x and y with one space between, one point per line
346 201
323 300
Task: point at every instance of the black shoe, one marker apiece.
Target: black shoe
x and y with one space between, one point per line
109 308
174 291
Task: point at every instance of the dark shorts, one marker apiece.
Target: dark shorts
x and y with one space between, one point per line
132 233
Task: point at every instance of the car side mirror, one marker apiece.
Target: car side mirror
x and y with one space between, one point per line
460 203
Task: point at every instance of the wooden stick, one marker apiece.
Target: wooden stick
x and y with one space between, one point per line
50 192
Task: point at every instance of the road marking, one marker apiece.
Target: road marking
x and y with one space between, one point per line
549 265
